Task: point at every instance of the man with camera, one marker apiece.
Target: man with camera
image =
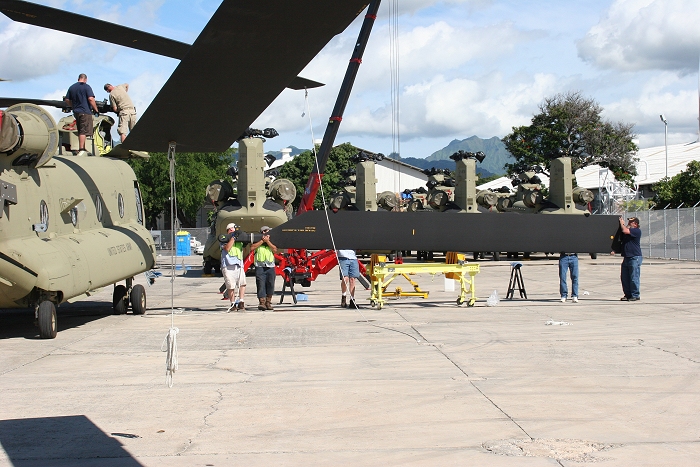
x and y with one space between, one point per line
265 269
232 266
631 251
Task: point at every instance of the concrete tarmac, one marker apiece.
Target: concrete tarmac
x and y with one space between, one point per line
421 382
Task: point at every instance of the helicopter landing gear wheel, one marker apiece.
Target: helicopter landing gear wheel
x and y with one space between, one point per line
138 300
48 326
120 300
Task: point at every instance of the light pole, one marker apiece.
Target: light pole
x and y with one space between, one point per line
663 119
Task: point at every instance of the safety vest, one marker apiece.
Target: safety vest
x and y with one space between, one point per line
236 250
264 254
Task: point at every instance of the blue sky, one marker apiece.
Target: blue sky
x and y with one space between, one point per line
467 68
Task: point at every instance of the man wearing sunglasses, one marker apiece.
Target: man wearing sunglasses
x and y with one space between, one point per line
631 258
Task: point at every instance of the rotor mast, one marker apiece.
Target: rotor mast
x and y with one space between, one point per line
314 181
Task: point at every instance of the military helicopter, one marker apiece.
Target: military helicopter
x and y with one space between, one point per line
73 224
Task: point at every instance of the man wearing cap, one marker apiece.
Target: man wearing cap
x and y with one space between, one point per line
265 269
631 258
232 267
122 105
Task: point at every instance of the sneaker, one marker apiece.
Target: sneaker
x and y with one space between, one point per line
563 299
633 299
574 299
353 304
343 302
231 308
241 306
624 299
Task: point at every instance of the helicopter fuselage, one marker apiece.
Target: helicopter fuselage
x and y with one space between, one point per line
77 225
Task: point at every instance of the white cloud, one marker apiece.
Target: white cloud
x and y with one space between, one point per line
645 34
27 52
411 6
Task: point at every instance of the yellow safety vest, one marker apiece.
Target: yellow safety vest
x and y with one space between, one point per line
264 254
236 250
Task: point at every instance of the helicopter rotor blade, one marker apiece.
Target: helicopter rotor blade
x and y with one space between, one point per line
73 23
231 74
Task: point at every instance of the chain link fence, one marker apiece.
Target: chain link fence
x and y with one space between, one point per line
669 233
164 240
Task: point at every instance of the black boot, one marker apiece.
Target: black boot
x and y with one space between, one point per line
343 302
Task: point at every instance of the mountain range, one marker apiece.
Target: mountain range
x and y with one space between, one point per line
496 155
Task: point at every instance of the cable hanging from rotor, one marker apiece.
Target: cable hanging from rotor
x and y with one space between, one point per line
169 344
323 196
395 87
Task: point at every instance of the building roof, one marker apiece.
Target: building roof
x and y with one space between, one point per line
651 167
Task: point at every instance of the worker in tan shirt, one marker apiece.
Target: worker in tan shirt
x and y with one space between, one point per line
122 105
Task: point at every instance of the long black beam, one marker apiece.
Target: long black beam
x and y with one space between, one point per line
432 231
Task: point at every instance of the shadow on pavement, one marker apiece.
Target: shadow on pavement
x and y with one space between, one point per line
72 440
20 322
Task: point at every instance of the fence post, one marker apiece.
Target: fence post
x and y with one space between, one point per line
695 234
649 227
665 231
678 229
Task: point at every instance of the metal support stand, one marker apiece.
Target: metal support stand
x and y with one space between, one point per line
382 273
516 280
288 281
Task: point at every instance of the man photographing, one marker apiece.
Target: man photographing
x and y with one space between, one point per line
232 267
631 258
265 269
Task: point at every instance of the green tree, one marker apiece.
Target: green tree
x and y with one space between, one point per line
193 172
299 169
683 188
571 125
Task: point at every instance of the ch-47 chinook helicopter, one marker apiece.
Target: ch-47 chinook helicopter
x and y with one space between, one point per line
69 224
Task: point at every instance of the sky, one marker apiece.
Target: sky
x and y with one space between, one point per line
465 67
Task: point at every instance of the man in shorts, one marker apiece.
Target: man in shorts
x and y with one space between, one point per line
81 99
349 270
232 267
122 106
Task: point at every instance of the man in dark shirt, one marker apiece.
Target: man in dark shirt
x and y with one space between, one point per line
631 258
81 99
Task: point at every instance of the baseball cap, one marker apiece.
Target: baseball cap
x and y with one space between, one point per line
634 219
231 226
264 228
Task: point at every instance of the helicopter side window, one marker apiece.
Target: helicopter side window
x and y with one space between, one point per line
98 207
44 215
74 216
120 202
139 206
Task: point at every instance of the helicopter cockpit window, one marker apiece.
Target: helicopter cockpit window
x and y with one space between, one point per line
98 208
139 206
120 202
44 213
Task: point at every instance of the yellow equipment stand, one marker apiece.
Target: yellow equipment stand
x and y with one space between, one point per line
383 274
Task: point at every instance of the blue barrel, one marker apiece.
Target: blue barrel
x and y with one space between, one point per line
183 244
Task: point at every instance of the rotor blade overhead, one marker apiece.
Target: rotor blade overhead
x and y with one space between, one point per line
53 18
73 23
303 83
8 101
243 59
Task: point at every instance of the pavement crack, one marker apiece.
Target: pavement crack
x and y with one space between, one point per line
213 409
644 344
436 347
